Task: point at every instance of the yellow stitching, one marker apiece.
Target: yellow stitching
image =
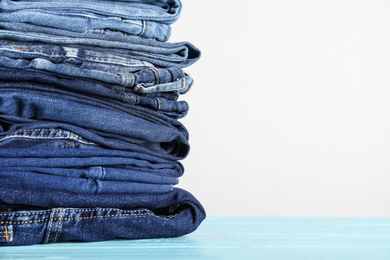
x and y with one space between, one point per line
84 218
6 234
15 214
48 230
59 225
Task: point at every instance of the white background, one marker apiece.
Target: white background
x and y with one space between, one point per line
289 113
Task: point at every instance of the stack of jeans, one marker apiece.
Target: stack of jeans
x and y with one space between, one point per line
90 140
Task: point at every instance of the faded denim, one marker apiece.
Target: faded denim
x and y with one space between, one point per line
161 54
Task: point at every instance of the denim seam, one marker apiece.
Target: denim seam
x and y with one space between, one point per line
158 104
157 75
87 56
168 34
38 220
102 172
6 234
181 71
132 80
59 225
189 87
101 12
143 28
76 210
127 97
86 218
71 136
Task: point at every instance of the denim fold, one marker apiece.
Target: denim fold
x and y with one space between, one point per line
90 142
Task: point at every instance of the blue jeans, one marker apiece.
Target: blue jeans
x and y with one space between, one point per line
164 11
90 23
161 54
90 171
141 76
171 214
137 128
49 82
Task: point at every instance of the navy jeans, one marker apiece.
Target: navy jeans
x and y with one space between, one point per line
164 103
170 214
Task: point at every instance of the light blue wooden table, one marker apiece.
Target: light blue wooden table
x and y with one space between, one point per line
238 238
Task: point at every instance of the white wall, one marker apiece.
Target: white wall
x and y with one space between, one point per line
289 114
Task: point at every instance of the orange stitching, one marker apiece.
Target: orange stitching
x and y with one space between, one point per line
59 225
13 214
84 218
189 87
132 79
127 97
48 230
6 234
22 49
181 71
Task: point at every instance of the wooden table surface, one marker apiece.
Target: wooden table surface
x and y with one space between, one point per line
238 238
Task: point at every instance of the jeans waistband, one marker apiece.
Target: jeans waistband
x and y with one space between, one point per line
89 23
163 54
164 11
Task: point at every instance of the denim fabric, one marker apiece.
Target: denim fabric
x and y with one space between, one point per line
93 174
89 141
164 11
83 63
174 151
45 138
163 54
164 103
90 23
123 101
140 126
52 182
87 158
173 214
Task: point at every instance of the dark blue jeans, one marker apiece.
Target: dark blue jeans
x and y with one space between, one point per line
169 214
51 83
